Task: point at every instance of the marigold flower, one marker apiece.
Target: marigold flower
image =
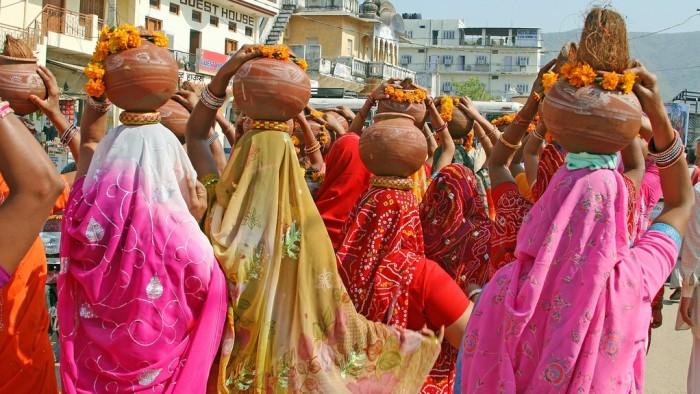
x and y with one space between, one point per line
118 41
446 108
610 80
95 88
566 69
582 75
405 96
94 71
549 79
628 80
324 137
160 39
504 120
301 63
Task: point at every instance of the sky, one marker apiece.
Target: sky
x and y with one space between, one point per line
558 15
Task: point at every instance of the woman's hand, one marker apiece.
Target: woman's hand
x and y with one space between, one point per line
467 106
648 93
378 93
537 87
186 98
49 106
684 310
246 53
198 200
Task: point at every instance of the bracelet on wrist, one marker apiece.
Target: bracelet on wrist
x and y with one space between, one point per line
213 138
100 106
68 135
670 156
5 109
210 100
441 128
508 144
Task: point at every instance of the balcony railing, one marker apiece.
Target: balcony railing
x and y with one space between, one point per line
358 67
351 6
351 68
30 36
69 23
185 61
386 71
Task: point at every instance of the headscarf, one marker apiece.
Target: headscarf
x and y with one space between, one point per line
295 325
141 298
378 257
421 181
557 319
456 230
345 181
550 160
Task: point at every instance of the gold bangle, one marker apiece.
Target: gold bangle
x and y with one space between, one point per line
508 144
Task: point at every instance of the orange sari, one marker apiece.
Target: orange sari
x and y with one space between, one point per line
25 349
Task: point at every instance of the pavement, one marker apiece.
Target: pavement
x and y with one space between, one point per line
667 361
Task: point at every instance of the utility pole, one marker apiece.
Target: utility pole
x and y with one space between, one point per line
112 12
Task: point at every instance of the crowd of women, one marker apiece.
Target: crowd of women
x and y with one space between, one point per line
508 263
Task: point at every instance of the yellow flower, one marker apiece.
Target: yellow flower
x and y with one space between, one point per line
566 69
301 63
504 120
134 41
549 79
104 34
405 96
160 39
446 108
101 52
94 71
628 80
324 137
95 88
118 41
610 80
582 75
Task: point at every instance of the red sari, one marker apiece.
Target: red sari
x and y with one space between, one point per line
511 208
550 160
345 181
457 233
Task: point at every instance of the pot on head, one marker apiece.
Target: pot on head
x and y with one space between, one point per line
18 81
140 79
461 124
393 145
269 89
174 116
591 119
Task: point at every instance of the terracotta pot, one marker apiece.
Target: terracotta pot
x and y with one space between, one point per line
141 79
269 89
19 80
340 119
393 145
416 110
590 119
316 128
174 116
460 125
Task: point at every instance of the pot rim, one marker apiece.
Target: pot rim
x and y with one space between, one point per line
20 59
379 116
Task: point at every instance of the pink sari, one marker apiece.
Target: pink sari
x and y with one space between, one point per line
142 300
570 314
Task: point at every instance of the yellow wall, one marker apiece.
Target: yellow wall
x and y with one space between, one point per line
331 31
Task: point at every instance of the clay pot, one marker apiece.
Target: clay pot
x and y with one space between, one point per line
269 89
340 119
174 116
590 119
415 110
316 128
141 79
460 125
18 81
393 145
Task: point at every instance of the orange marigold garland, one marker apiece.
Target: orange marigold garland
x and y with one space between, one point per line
504 120
581 74
446 108
113 40
406 96
279 52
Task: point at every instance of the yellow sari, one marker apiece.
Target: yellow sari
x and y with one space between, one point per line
296 329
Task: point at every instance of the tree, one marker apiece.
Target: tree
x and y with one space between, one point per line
473 89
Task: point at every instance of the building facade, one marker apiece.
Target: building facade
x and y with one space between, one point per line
347 44
445 52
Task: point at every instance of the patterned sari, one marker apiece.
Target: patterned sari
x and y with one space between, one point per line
457 233
296 329
142 301
551 159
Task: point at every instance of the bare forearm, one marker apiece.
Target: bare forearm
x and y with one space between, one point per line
483 139
93 126
358 123
228 129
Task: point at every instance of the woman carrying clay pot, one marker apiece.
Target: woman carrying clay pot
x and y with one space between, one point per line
578 322
295 326
29 186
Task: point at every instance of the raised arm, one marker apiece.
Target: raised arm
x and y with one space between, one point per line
34 186
199 125
484 139
675 182
633 160
358 122
531 153
227 128
312 146
432 144
93 126
446 142
68 133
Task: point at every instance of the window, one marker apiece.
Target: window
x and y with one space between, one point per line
406 59
174 9
214 21
481 59
154 3
448 35
231 46
349 47
447 87
422 26
522 61
409 34
154 24
448 60
506 88
232 26
249 31
421 51
196 16
494 77
523 88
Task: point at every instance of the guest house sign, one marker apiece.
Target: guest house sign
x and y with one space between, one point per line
220 11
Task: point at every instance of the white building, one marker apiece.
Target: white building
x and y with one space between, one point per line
445 51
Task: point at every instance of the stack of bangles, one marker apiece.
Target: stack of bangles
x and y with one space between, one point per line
99 106
313 148
68 135
210 100
508 144
213 138
5 109
441 128
670 156
537 134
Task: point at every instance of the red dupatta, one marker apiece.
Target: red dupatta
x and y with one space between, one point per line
456 229
550 161
377 259
345 181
